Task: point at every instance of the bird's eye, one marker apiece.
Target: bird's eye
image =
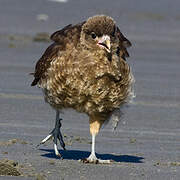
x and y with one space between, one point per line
93 35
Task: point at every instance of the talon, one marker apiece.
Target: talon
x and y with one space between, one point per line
83 160
56 135
96 161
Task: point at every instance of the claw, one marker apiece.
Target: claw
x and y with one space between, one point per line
45 139
56 151
55 134
96 161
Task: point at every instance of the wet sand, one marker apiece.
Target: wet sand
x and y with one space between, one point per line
146 143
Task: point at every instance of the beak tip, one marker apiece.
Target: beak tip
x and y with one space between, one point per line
105 43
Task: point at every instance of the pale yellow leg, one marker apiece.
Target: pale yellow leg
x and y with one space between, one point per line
95 125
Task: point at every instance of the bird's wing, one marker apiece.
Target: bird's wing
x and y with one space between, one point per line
124 43
44 62
69 35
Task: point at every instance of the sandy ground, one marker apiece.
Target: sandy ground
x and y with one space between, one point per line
146 144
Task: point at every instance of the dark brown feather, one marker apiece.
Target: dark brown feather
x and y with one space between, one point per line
68 35
44 62
59 35
124 43
67 32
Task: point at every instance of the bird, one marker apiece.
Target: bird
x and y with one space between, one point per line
85 69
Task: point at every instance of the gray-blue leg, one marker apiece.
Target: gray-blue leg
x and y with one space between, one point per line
56 134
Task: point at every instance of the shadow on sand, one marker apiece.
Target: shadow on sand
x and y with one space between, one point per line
76 155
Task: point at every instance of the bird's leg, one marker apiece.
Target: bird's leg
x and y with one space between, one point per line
94 129
92 158
56 135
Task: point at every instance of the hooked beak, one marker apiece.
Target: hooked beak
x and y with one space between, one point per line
105 43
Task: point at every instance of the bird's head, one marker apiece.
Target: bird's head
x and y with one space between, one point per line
99 33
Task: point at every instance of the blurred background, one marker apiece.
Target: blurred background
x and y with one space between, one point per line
150 128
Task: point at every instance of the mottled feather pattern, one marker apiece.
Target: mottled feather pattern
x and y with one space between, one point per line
44 62
75 75
64 39
87 87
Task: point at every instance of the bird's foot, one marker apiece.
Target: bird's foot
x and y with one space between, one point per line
55 134
94 160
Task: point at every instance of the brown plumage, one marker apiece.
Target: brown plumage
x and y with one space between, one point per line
85 69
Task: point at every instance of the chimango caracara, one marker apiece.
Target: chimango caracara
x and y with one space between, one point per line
85 69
